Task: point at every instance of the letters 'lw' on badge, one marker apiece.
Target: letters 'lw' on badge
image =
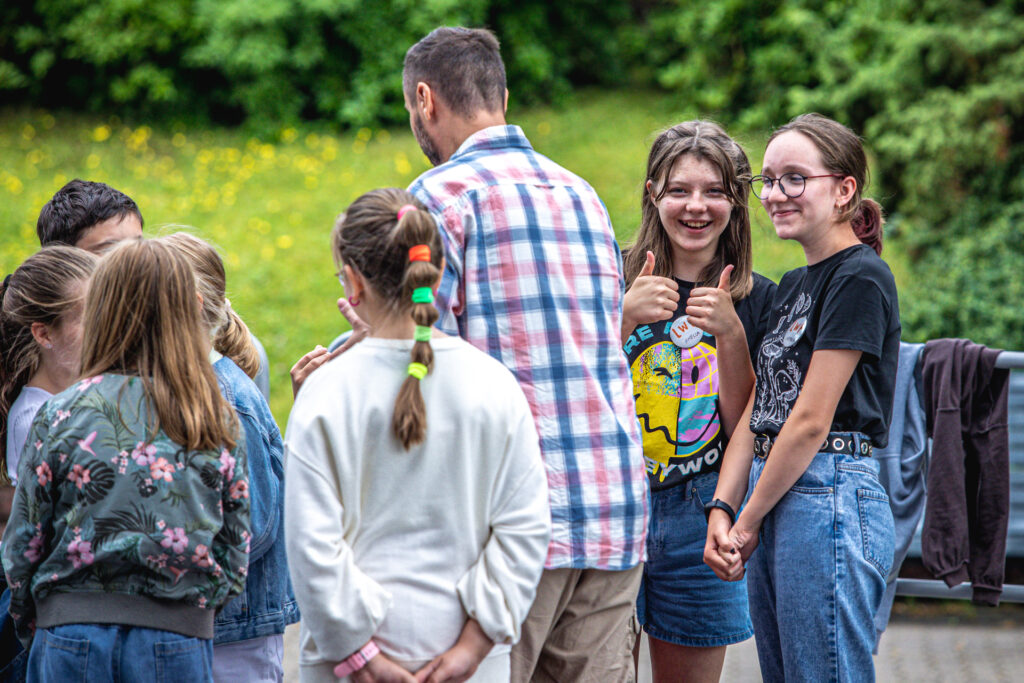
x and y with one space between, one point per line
685 334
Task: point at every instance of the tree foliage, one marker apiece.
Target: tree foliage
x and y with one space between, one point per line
935 87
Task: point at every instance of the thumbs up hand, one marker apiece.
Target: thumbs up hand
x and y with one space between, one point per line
650 298
711 309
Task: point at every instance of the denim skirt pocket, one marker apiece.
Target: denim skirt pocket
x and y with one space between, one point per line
60 658
876 529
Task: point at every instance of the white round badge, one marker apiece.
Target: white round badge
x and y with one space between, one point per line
685 334
795 331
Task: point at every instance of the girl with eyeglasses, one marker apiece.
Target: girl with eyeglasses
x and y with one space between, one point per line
692 316
816 533
417 518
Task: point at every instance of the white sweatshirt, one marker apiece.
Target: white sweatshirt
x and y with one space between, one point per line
402 545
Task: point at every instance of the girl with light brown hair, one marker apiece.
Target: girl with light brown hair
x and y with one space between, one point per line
417 522
249 632
41 306
693 316
134 492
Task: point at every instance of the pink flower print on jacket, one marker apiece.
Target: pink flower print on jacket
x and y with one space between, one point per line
161 469
227 465
61 416
240 489
89 381
44 474
144 453
175 539
79 476
201 557
35 546
80 552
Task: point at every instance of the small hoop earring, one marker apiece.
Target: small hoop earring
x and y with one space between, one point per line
354 300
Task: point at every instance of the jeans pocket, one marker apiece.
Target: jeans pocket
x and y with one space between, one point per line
876 529
62 659
188 659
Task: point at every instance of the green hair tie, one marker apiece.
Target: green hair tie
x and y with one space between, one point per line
422 295
422 333
418 370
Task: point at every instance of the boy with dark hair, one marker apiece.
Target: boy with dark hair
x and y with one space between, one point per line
88 215
94 216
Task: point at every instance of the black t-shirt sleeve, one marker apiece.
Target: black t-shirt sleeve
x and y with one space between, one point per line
854 315
764 290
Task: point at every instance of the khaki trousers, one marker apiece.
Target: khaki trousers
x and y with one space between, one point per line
581 628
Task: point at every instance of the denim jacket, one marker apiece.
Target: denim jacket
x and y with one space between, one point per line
268 603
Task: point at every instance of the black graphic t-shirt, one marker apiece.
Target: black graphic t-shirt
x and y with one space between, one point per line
847 301
676 388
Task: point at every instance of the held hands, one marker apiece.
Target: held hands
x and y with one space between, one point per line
305 366
729 547
460 662
711 309
649 299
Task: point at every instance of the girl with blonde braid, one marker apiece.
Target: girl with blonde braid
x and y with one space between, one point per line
416 518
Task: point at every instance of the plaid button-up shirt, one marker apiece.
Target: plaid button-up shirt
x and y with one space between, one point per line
534 278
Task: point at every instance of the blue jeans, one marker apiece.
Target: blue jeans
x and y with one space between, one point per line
102 652
818 574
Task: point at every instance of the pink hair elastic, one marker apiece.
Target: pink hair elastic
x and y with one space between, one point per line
402 211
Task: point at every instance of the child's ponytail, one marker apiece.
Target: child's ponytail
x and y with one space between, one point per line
417 229
392 240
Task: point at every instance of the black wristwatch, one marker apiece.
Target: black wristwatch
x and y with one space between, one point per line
721 505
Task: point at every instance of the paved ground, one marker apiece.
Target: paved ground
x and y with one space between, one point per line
911 651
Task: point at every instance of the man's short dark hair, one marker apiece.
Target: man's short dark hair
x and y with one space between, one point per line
78 206
462 65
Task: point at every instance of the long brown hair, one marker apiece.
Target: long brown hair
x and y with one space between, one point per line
705 140
370 238
842 152
230 335
142 318
43 290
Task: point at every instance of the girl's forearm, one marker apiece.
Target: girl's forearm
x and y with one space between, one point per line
791 454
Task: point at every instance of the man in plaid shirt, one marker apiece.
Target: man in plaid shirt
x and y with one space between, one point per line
534 278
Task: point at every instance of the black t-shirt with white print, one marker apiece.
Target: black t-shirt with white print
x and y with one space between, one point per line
847 301
676 388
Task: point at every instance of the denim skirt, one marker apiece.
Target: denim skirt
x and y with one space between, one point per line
681 600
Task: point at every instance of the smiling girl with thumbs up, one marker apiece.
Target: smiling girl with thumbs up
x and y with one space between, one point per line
692 314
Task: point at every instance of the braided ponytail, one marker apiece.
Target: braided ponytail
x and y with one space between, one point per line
415 229
392 240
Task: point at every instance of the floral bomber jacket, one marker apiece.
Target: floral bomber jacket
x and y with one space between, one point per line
105 506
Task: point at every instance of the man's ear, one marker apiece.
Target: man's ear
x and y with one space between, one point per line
425 102
42 334
505 105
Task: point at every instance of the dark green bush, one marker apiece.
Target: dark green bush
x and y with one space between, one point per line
936 88
278 61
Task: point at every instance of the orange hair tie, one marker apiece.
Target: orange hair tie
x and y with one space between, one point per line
421 252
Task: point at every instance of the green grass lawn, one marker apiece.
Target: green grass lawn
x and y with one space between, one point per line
269 204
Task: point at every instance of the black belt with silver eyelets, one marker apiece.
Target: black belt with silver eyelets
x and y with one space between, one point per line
849 443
